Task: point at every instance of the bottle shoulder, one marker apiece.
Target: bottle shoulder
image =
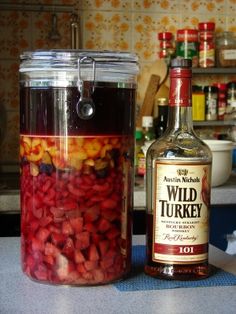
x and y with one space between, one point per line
177 145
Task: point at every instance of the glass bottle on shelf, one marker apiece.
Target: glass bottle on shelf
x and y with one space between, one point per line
178 185
160 116
139 155
148 130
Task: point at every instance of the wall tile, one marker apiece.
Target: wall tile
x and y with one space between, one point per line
145 30
204 6
106 5
9 81
42 27
10 144
15 33
156 6
106 30
231 7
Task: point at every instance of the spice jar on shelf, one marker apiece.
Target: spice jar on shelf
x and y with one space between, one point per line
198 103
211 94
187 45
222 100
166 46
226 49
207 44
231 101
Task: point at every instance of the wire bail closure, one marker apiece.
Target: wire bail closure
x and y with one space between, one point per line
85 107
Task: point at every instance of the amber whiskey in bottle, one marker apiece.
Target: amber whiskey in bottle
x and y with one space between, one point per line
178 187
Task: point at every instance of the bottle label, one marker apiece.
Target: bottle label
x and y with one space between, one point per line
181 213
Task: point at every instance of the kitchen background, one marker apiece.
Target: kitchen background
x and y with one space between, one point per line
103 24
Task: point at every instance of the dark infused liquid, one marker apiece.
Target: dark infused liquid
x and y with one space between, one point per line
52 111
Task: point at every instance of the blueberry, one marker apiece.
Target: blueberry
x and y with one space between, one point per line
46 168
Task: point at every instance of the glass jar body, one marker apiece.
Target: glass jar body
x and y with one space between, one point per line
76 177
207 45
226 50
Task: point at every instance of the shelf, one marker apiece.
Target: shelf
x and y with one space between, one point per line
214 71
214 123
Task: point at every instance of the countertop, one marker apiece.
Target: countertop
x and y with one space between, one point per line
18 294
221 195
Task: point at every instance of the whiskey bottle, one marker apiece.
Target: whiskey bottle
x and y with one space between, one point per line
178 188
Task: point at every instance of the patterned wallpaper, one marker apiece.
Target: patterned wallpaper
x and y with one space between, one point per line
105 24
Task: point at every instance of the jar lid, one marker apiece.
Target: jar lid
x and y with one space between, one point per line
138 134
162 101
210 89
231 85
225 38
101 66
147 121
181 63
165 36
197 89
206 26
187 35
220 86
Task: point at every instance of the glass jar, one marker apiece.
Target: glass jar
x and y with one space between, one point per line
187 45
211 94
222 100
226 49
76 158
207 44
166 46
198 103
231 101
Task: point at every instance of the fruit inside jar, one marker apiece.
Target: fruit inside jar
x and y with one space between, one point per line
76 186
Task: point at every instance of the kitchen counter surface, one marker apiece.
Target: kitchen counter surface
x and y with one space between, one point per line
18 294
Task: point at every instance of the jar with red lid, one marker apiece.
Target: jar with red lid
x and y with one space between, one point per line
187 45
207 44
166 46
222 99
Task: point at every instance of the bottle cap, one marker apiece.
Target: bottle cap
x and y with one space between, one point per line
211 89
162 101
165 36
138 134
147 121
181 63
221 86
206 26
190 35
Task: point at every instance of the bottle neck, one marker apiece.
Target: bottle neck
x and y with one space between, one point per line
180 100
162 111
180 118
